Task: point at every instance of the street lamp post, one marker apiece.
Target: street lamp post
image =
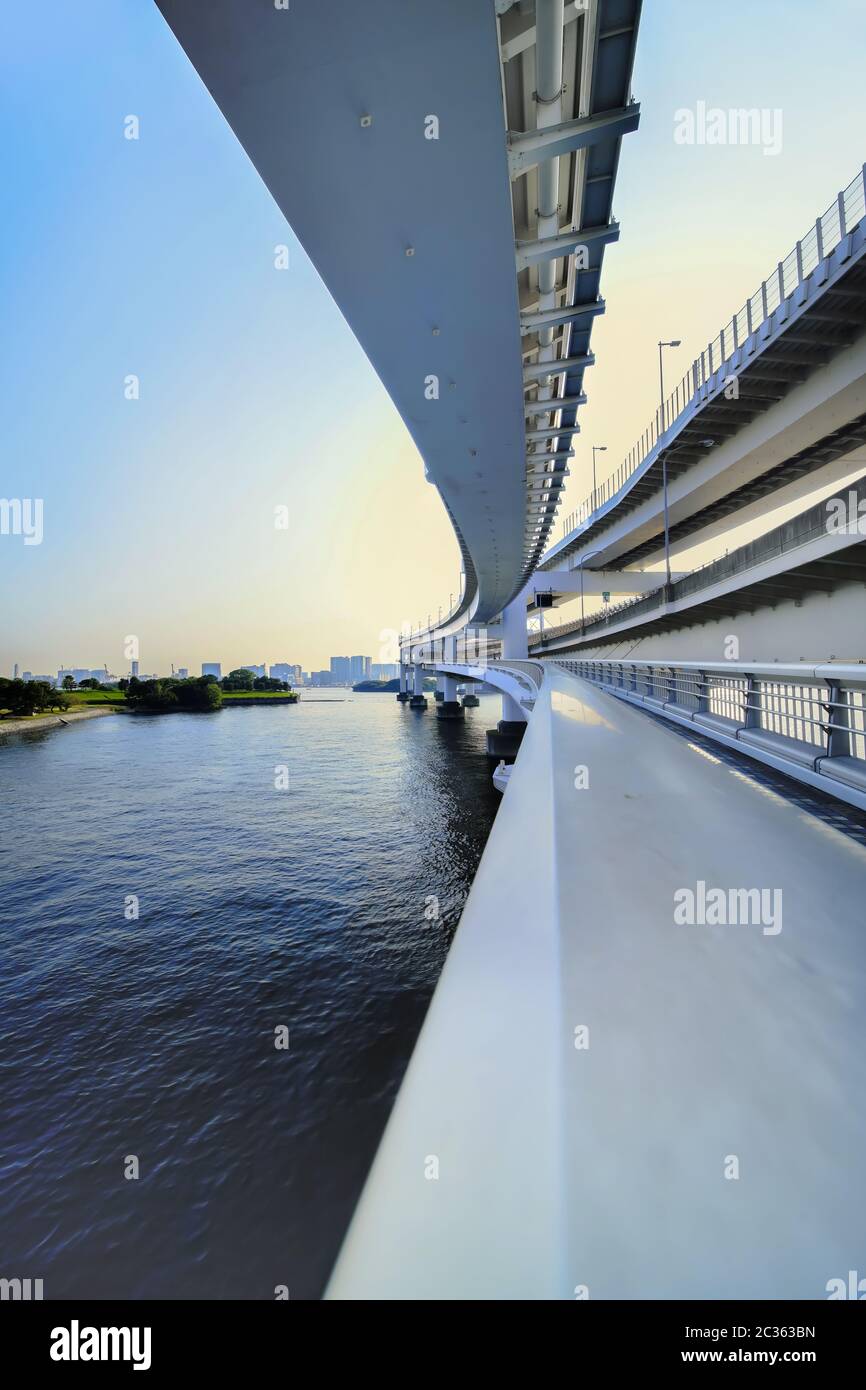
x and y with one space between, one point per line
674 342
596 449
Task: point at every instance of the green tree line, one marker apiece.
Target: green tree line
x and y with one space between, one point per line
30 697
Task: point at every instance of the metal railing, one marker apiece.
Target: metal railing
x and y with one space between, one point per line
808 720
529 674
811 251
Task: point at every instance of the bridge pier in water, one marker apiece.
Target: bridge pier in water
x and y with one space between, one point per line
419 699
403 692
449 707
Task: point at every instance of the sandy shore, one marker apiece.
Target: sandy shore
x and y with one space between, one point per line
50 721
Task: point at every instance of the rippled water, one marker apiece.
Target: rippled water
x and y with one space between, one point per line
258 908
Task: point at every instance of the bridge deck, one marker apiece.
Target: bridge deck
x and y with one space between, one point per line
604 1167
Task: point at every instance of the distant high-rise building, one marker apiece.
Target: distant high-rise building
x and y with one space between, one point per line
25 675
341 670
212 668
286 671
385 670
322 678
359 669
15 672
134 670
183 673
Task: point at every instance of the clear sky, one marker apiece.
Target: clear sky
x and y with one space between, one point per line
155 257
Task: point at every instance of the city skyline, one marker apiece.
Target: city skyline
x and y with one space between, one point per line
356 668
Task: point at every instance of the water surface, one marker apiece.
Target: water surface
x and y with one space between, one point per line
259 908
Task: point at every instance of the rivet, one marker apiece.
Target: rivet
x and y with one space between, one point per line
410 250
366 121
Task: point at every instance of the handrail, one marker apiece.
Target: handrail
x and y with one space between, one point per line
846 211
806 719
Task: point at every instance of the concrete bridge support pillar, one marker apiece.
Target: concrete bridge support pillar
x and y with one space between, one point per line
403 692
418 700
515 647
440 689
450 707
504 740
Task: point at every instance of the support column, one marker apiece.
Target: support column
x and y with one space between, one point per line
505 739
403 692
418 700
515 647
450 707
440 689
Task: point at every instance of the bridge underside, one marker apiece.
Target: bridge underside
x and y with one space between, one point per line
412 235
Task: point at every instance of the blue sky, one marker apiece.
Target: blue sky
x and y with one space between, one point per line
155 257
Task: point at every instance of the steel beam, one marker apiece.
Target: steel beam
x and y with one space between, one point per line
532 373
527 149
540 407
529 252
545 318
533 436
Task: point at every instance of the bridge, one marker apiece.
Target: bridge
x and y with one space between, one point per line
647 1040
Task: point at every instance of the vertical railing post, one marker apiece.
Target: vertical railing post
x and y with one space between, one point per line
703 706
842 220
839 732
781 274
764 305
819 240
753 703
799 262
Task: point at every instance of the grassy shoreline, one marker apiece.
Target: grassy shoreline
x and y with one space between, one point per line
86 704
21 723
